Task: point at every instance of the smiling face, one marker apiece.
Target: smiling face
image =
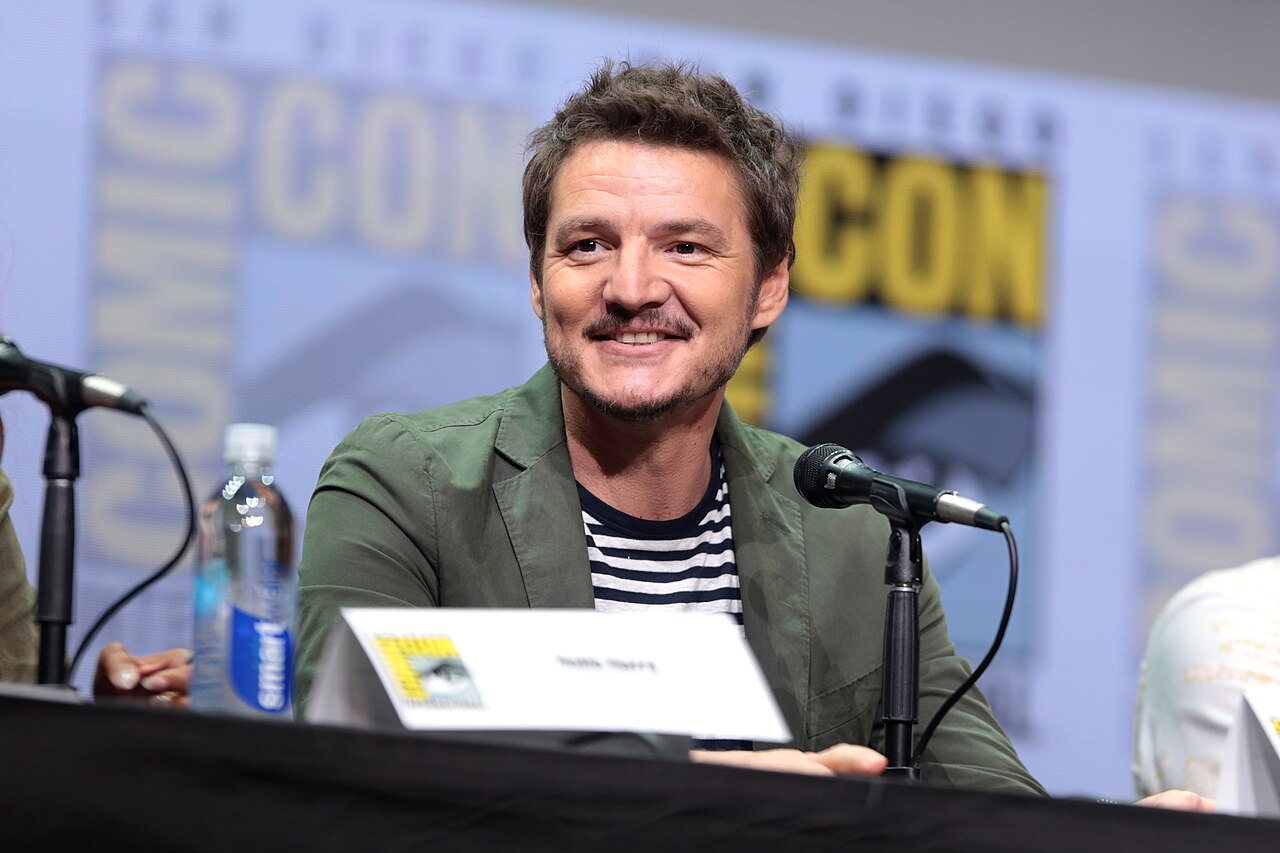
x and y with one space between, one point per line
649 290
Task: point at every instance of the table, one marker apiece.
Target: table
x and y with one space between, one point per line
76 777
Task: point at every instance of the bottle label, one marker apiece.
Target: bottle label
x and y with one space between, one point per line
261 660
210 587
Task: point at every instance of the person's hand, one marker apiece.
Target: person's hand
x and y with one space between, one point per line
842 759
161 678
1183 801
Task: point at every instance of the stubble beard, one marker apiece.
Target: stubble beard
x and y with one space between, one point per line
708 379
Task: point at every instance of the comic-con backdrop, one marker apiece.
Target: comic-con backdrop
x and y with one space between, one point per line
1053 295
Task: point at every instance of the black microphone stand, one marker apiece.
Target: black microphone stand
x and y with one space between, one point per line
904 573
54 597
827 475
57 546
900 690
61 391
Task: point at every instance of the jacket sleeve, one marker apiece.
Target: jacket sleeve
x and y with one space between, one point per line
17 600
968 749
369 536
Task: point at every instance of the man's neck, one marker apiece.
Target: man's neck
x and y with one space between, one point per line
657 470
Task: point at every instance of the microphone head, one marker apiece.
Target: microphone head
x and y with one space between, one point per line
812 470
14 367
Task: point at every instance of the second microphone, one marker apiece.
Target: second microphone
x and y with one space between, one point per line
828 475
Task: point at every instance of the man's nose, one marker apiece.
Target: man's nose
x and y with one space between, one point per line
636 281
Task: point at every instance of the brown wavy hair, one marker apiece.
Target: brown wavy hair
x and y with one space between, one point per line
672 104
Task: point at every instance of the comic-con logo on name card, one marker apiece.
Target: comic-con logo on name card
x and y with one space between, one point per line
428 671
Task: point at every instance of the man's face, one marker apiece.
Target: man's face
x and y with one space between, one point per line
648 291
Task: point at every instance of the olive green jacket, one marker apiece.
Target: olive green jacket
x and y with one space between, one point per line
474 505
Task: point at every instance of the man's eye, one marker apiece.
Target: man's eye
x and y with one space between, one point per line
586 246
686 248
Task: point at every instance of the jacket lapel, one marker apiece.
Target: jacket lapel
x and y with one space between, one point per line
768 544
538 497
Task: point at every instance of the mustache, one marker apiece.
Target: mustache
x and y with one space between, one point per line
615 322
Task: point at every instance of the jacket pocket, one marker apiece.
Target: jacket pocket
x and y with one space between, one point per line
845 714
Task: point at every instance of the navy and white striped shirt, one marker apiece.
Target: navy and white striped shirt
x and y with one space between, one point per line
684 564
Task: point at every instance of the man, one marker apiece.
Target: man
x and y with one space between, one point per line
658 209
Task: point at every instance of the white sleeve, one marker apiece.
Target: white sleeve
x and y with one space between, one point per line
1215 637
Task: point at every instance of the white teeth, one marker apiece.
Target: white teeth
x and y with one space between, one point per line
639 337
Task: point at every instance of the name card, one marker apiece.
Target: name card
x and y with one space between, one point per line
544 670
1249 783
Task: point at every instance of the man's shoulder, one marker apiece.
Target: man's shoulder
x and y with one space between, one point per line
461 413
520 421
427 426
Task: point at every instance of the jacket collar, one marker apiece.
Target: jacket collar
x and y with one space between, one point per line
533 421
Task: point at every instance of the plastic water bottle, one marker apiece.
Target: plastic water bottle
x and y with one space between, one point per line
245 586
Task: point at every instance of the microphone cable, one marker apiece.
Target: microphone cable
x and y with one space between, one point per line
991 653
190 506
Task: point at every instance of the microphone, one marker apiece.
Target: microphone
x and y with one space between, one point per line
830 476
65 391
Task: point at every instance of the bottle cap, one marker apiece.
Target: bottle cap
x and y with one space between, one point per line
250 443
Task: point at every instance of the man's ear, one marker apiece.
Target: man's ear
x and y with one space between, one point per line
535 295
774 291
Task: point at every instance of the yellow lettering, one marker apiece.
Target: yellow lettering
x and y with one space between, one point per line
1006 247
833 241
919 236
